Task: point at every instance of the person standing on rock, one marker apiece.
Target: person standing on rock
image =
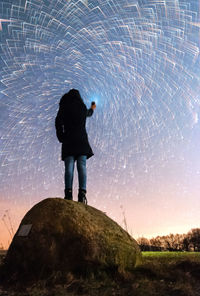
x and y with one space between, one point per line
71 132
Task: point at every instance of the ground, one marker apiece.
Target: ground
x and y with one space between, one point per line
160 274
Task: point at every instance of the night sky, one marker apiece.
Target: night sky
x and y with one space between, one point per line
139 60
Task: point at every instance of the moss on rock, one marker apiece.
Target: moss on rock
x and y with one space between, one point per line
69 237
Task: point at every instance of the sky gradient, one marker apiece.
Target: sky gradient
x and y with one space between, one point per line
139 61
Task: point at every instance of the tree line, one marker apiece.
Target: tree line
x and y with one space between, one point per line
172 242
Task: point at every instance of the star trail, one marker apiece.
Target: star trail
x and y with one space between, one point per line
139 60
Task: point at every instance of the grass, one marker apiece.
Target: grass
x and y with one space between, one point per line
2 255
160 274
172 255
169 273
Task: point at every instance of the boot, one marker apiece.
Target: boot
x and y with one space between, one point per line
82 196
68 194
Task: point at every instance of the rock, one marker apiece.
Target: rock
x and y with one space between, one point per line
66 237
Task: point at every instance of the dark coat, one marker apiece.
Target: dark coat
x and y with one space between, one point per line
70 126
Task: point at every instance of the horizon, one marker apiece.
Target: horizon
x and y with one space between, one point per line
6 230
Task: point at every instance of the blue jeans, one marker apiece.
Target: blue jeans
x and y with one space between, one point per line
69 171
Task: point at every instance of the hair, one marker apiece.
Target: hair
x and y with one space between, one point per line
70 98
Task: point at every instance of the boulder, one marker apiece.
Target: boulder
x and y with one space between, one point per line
59 236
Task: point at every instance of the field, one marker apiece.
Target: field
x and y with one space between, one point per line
160 274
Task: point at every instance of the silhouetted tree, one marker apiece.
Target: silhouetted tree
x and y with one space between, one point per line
172 242
186 243
156 244
144 243
194 239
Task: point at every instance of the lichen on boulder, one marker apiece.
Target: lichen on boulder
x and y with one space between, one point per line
69 237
